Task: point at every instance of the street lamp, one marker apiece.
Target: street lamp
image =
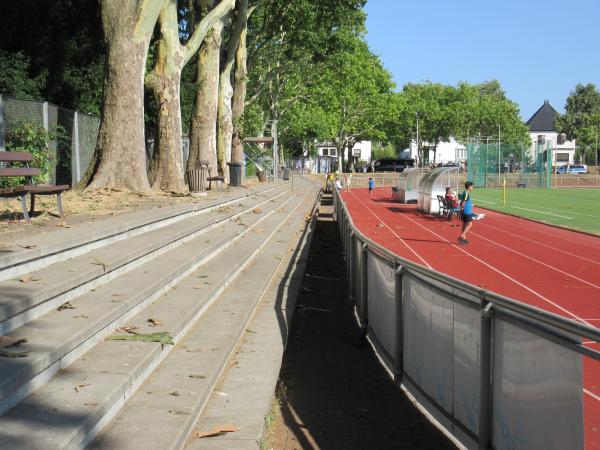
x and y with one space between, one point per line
418 154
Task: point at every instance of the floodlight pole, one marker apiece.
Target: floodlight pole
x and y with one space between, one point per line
498 154
596 154
418 154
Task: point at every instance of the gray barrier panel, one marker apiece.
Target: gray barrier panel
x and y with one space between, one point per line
537 392
381 300
428 340
467 332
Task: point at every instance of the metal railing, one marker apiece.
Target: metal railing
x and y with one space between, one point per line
495 372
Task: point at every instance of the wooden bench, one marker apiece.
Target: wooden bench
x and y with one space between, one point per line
28 188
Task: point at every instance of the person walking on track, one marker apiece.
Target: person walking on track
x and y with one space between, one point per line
468 216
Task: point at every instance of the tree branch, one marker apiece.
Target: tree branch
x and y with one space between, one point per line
215 14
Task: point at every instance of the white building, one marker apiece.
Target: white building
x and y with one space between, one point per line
361 150
541 130
451 151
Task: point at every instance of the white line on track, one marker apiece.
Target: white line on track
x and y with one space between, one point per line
505 275
538 261
389 228
591 394
485 201
543 212
540 243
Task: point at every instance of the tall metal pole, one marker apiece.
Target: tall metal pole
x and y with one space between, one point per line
418 154
498 155
275 149
596 153
485 178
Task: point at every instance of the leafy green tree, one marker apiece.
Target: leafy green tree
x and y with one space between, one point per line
64 47
581 121
15 80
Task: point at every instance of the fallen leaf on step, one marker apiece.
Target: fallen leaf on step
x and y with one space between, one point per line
217 431
198 286
162 338
176 411
79 387
25 279
66 305
257 211
81 316
28 246
201 276
64 225
6 342
154 322
175 394
197 376
127 329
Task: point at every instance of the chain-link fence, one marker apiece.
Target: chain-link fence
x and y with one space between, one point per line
490 165
74 134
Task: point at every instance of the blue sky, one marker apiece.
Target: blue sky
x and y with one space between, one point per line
537 49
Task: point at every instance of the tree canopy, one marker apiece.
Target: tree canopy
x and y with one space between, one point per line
299 70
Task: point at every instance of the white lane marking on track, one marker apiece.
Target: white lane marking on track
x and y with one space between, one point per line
591 394
566 311
527 223
540 243
543 212
537 261
485 201
389 228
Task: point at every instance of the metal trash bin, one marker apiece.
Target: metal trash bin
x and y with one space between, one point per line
286 173
235 173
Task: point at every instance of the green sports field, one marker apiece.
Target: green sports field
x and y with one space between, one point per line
571 208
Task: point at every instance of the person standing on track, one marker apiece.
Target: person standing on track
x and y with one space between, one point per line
468 216
371 186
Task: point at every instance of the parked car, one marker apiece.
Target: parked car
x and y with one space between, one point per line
393 164
574 169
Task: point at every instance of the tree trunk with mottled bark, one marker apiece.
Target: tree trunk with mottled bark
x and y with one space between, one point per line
120 159
239 95
203 130
166 170
224 115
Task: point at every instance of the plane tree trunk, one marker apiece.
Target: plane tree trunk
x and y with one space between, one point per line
203 129
224 114
120 157
166 169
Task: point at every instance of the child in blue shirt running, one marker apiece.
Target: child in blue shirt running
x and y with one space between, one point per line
466 203
371 186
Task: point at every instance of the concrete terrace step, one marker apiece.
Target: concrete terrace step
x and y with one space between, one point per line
58 283
70 410
243 395
59 337
33 253
163 411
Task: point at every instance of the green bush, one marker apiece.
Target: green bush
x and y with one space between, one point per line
33 138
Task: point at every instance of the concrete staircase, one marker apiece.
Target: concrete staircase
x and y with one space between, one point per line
198 273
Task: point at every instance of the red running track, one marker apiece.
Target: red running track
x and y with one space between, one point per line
548 267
